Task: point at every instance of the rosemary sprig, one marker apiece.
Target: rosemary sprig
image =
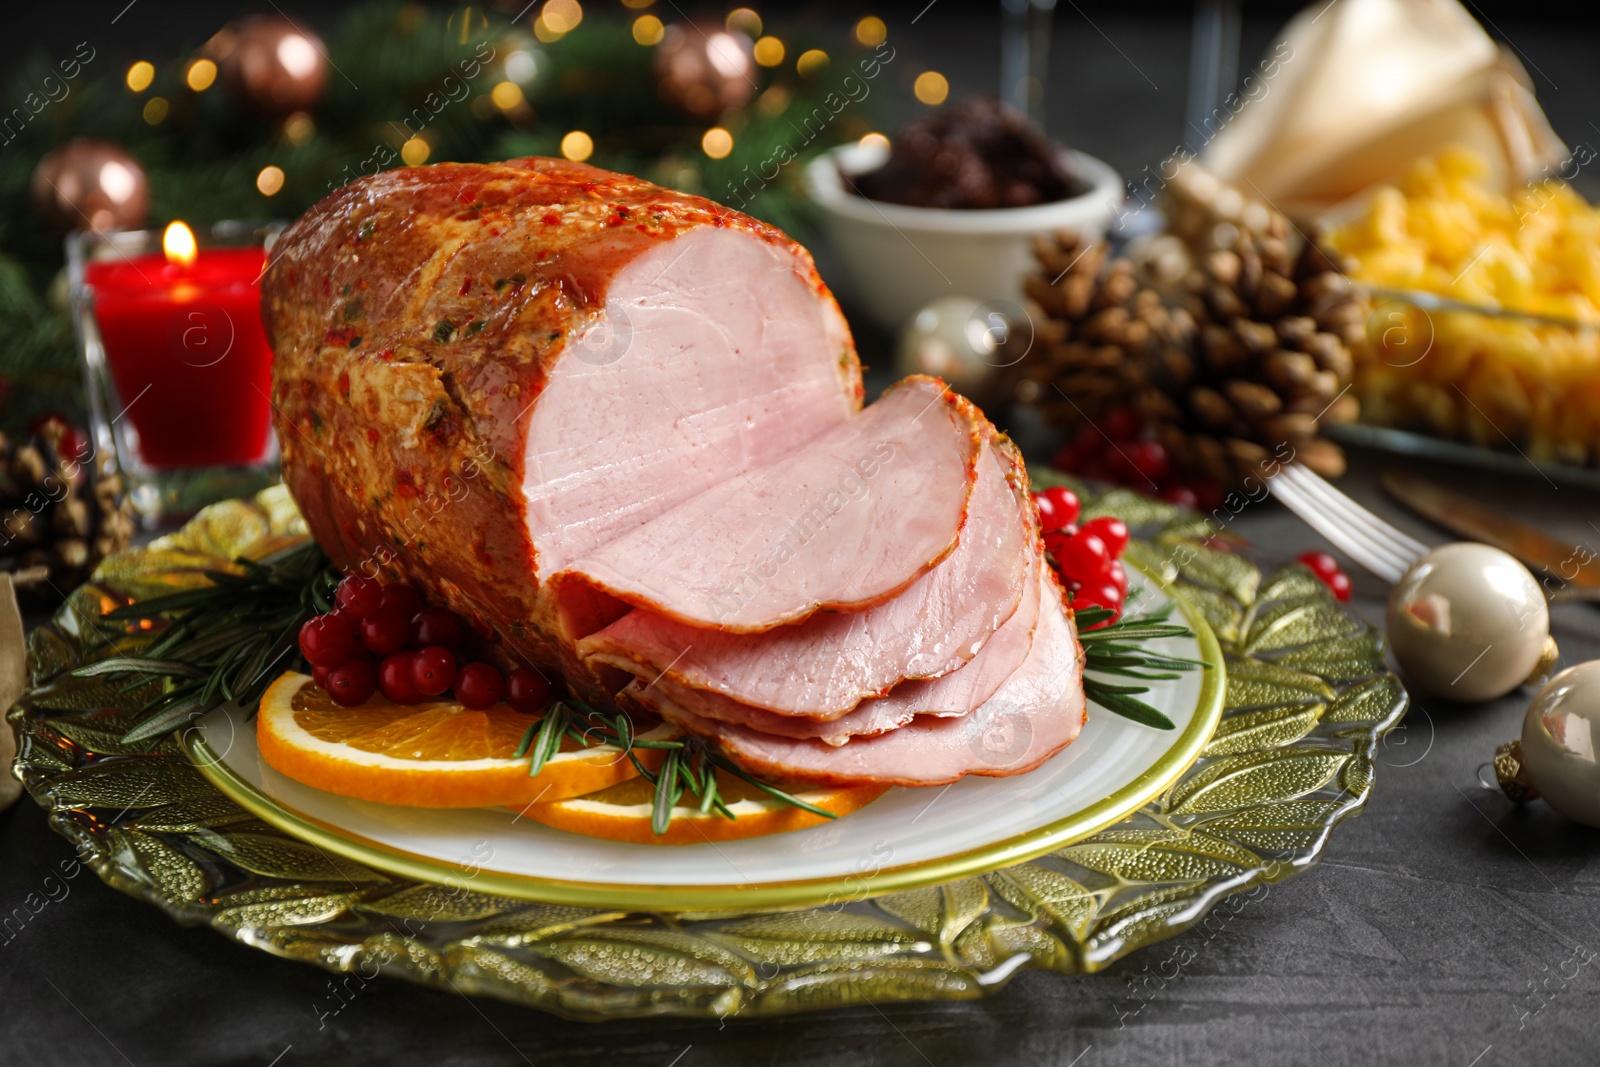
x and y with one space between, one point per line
1117 650
690 765
223 641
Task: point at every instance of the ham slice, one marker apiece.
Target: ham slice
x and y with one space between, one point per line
826 665
1035 714
957 693
846 522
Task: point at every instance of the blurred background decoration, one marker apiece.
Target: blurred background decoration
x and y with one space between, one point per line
267 116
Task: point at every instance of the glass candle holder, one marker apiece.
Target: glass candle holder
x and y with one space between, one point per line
176 363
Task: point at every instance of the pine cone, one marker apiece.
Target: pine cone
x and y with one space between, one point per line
1249 364
1100 334
59 517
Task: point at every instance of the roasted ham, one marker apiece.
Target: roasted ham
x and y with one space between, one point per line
487 371
619 429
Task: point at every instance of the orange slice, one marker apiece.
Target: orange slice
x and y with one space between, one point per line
622 812
432 755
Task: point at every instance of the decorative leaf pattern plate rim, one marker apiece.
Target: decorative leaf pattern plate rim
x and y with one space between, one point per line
1307 703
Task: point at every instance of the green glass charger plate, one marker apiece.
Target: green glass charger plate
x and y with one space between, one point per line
1307 702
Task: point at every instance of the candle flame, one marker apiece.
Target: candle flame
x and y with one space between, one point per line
178 243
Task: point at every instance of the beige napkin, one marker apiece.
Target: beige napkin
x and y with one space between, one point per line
1355 91
13 680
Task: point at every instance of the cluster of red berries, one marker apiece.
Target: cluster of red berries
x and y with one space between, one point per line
1089 557
386 637
1120 450
1327 568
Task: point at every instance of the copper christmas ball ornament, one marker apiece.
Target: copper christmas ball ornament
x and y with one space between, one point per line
703 69
90 184
271 64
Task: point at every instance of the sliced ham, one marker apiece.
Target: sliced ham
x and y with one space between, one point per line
1035 714
826 665
843 523
957 693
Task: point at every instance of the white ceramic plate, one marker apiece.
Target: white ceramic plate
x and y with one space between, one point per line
907 838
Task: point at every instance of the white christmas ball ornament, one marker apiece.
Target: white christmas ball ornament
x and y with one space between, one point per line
962 340
1468 622
1559 738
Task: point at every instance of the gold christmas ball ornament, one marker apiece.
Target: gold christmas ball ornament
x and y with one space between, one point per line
271 64
90 184
1556 759
963 340
1468 623
703 69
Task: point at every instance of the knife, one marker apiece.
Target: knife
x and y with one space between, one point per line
1577 566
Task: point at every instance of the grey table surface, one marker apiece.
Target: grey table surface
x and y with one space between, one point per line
1444 926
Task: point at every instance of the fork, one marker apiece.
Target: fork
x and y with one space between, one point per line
1364 537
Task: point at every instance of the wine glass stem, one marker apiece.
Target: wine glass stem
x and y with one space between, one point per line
1025 54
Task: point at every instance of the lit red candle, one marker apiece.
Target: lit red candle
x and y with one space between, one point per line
184 344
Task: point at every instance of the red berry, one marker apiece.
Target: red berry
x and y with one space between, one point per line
1322 564
1117 575
1047 513
433 670
394 678
436 626
353 682
527 690
327 640
1100 593
1120 424
1148 460
319 676
403 599
478 686
1082 556
1112 532
385 632
1340 584
1063 507
1181 495
358 596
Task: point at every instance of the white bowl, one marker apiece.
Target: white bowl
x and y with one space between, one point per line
897 259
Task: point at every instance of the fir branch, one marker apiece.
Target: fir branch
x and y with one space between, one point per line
224 641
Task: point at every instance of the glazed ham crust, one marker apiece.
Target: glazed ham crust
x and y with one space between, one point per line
421 316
